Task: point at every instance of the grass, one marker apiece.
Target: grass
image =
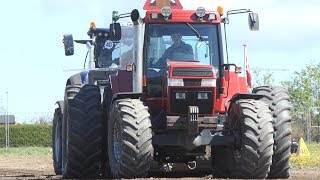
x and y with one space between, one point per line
26 151
307 161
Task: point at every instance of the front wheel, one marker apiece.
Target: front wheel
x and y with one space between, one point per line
82 147
130 149
253 157
57 140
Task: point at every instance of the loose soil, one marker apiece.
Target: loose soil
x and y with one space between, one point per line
40 167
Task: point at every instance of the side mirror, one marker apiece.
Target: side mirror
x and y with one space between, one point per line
135 15
253 20
68 44
115 31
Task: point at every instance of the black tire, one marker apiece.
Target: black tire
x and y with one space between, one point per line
130 149
107 97
253 158
82 127
57 140
278 100
221 158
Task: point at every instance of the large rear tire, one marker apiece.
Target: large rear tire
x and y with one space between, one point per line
253 157
130 149
57 140
82 146
278 100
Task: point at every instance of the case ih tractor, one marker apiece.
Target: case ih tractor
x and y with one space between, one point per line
141 101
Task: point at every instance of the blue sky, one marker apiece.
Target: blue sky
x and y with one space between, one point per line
32 59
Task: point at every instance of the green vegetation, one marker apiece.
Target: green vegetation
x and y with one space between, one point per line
27 135
312 161
26 151
303 89
262 79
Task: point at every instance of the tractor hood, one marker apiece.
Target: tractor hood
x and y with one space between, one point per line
187 69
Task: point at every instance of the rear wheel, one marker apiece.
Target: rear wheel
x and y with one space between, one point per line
57 140
278 100
82 156
130 149
253 157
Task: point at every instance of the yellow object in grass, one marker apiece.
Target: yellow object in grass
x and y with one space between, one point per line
303 150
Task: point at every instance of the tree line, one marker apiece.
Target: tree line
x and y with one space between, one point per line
303 87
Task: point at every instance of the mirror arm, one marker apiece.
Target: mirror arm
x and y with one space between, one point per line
121 16
238 11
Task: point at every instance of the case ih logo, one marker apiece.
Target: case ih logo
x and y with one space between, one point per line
158 4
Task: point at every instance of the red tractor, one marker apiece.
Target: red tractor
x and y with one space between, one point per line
143 100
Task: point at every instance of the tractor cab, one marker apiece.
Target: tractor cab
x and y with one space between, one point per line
105 49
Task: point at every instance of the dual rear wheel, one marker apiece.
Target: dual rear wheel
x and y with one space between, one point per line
265 131
251 121
82 148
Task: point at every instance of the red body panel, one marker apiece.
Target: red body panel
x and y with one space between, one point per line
122 82
177 64
232 84
185 16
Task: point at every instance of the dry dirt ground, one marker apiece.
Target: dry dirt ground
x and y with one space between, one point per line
41 168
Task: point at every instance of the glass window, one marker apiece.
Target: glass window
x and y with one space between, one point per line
180 43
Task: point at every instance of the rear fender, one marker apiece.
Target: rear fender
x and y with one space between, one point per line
79 78
243 96
60 105
125 95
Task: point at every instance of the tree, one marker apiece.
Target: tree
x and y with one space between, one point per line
304 89
262 79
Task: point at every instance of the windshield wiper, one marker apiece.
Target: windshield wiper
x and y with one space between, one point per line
195 32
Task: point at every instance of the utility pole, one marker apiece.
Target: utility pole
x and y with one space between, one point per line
7 124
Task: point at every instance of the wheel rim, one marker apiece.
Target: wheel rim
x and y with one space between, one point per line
57 143
116 140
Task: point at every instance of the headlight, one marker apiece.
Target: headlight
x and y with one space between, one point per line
201 11
180 95
175 82
208 82
202 95
166 11
212 16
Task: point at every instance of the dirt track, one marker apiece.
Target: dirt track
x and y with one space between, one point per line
41 168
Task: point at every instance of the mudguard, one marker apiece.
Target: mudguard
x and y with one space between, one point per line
243 96
60 104
124 95
79 78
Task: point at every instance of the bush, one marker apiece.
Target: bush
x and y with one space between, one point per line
27 135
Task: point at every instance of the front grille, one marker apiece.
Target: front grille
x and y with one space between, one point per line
200 72
180 106
192 82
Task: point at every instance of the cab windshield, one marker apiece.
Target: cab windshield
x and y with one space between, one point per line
179 42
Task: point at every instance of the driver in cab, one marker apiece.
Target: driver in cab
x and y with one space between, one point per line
178 47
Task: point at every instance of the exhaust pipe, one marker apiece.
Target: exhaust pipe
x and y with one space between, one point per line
192 165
